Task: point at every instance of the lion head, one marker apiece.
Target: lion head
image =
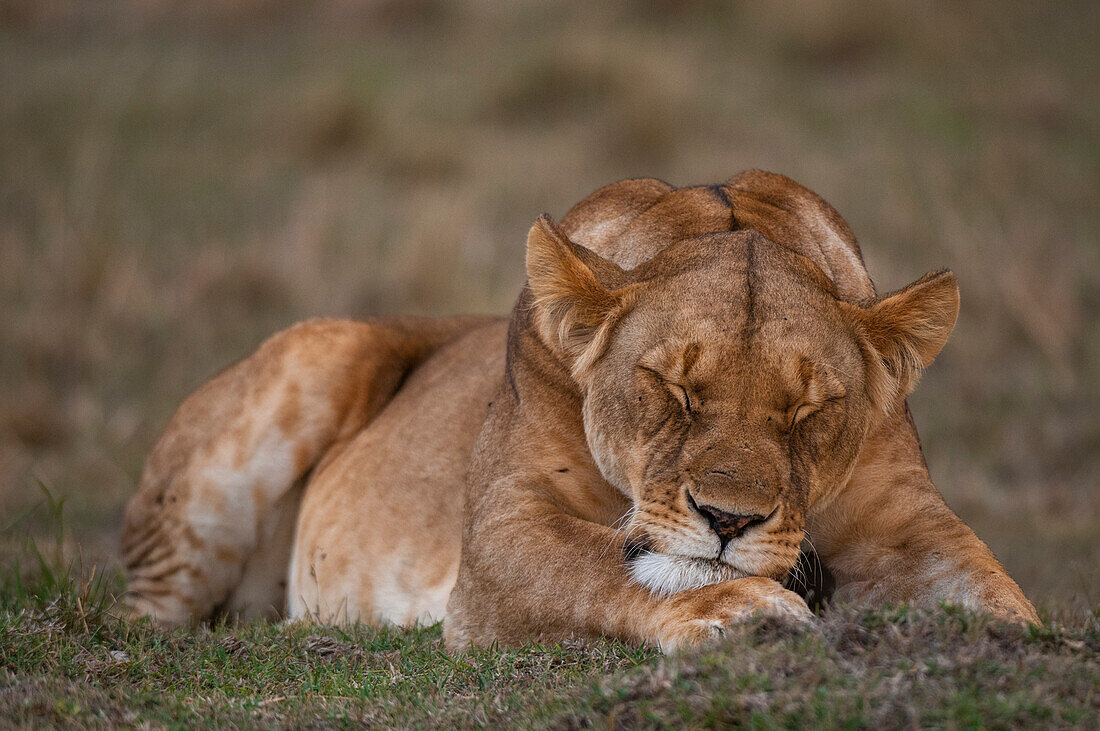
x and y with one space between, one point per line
726 388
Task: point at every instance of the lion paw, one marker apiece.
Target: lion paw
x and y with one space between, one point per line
702 615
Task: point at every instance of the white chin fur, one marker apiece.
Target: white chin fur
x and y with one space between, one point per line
665 574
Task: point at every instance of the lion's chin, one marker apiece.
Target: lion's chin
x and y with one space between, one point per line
665 574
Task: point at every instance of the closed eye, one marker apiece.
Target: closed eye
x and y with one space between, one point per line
804 409
801 412
682 396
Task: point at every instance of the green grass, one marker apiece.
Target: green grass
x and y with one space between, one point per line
67 659
70 662
123 672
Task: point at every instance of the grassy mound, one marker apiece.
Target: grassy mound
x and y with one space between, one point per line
66 659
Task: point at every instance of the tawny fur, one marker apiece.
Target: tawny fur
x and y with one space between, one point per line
535 479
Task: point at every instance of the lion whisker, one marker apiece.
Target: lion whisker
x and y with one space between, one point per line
623 523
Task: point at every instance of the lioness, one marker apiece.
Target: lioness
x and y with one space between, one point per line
694 384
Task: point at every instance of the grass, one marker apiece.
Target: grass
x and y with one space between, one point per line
178 180
67 660
944 671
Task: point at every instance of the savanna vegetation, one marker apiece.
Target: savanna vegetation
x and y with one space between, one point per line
178 180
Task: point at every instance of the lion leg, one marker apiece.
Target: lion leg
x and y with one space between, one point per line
211 525
380 528
541 574
889 538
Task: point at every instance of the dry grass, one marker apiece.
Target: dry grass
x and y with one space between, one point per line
178 180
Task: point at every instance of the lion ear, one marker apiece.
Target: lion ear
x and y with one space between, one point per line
906 331
573 310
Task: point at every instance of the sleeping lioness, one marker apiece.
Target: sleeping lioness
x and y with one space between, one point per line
696 385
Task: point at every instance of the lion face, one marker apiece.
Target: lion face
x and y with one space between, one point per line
732 392
726 388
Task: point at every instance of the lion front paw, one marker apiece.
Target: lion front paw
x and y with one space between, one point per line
698 616
991 592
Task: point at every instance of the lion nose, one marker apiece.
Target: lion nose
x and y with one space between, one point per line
726 525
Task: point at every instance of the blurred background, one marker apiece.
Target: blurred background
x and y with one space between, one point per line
180 179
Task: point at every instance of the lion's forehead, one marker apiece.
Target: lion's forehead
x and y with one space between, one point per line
721 340
732 276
